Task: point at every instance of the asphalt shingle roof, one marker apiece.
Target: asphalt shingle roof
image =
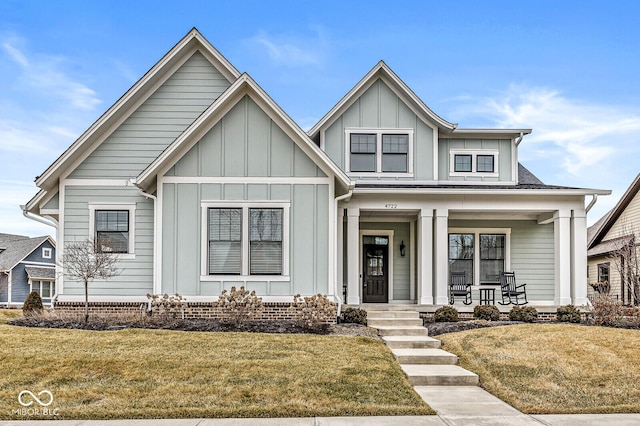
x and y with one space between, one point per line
16 248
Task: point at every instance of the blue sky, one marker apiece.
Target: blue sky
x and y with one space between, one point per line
568 70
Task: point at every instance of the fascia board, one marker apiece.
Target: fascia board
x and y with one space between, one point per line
618 210
140 90
35 201
475 191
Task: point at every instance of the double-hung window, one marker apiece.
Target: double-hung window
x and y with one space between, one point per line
112 227
492 256
246 240
483 254
461 254
44 288
379 151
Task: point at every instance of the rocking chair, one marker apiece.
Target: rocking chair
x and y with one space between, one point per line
458 287
512 292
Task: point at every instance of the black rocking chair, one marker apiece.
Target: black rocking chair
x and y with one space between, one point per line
458 287
512 292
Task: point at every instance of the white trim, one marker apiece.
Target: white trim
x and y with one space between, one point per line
159 232
52 283
249 180
245 206
39 264
476 247
474 153
379 132
412 259
383 233
131 207
60 238
97 182
9 285
47 252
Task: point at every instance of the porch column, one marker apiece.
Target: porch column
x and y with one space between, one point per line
340 254
353 251
562 249
441 257
425 257
579 258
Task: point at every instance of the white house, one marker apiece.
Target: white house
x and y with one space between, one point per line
200 181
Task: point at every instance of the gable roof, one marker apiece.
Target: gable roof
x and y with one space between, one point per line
17 247
244 85
599 229
382 71
138 93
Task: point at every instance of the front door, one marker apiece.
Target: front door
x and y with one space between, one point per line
375 271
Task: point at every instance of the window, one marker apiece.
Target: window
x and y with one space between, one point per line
470 163
462 163
112 226
46 289
363 153
492 254
46 252
603 272
246 240
484 163
112 230
461 254
482 253
380 151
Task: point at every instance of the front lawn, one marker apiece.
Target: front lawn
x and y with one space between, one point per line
137 373
554 368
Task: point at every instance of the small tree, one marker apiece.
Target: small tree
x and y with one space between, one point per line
86 261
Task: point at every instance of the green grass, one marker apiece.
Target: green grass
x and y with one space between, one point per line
554 369
170 374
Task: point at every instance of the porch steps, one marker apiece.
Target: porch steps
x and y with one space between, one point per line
419 355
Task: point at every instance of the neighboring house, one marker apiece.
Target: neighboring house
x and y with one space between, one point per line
613 254
200 181
26 265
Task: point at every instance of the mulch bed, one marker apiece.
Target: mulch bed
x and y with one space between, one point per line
211 325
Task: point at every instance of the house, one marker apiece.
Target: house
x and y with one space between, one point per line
200 181
26 265
613 255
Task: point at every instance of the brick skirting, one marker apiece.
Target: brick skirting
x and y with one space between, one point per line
278 311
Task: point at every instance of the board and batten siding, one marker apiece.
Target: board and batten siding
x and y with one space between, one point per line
245 143
504 166
401 264
532 254
157 122
136 276
380 108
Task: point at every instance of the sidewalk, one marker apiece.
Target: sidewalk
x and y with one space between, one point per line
469 419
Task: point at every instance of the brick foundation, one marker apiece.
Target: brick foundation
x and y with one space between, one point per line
195 310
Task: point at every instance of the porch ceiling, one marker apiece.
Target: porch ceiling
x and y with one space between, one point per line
498 215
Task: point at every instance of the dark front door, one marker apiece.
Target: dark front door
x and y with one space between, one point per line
375 273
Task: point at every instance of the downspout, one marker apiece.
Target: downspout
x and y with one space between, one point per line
46 221
592 203
155 228
344 197
519 139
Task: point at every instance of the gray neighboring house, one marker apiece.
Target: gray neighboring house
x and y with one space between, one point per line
26 264
200 182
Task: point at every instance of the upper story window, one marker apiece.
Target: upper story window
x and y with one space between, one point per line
473 162
46 252
380 151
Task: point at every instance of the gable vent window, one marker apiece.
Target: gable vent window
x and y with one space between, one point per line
380 151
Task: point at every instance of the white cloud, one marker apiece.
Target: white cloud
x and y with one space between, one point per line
46 75
13 194
292 50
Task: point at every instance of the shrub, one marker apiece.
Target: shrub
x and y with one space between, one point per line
568 313
167 306
314 313
354 316
606 310
524 314
32 304
446 314
486 312
237 306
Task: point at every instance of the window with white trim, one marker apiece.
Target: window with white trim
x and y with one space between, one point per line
482 253
379 151
46 289
46 252
247 240
112 226
473 162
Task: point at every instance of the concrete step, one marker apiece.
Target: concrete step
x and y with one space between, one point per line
407 330
375 322
424 356
392 314
394 342
439 375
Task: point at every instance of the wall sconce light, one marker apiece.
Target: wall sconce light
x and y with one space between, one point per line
402 248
